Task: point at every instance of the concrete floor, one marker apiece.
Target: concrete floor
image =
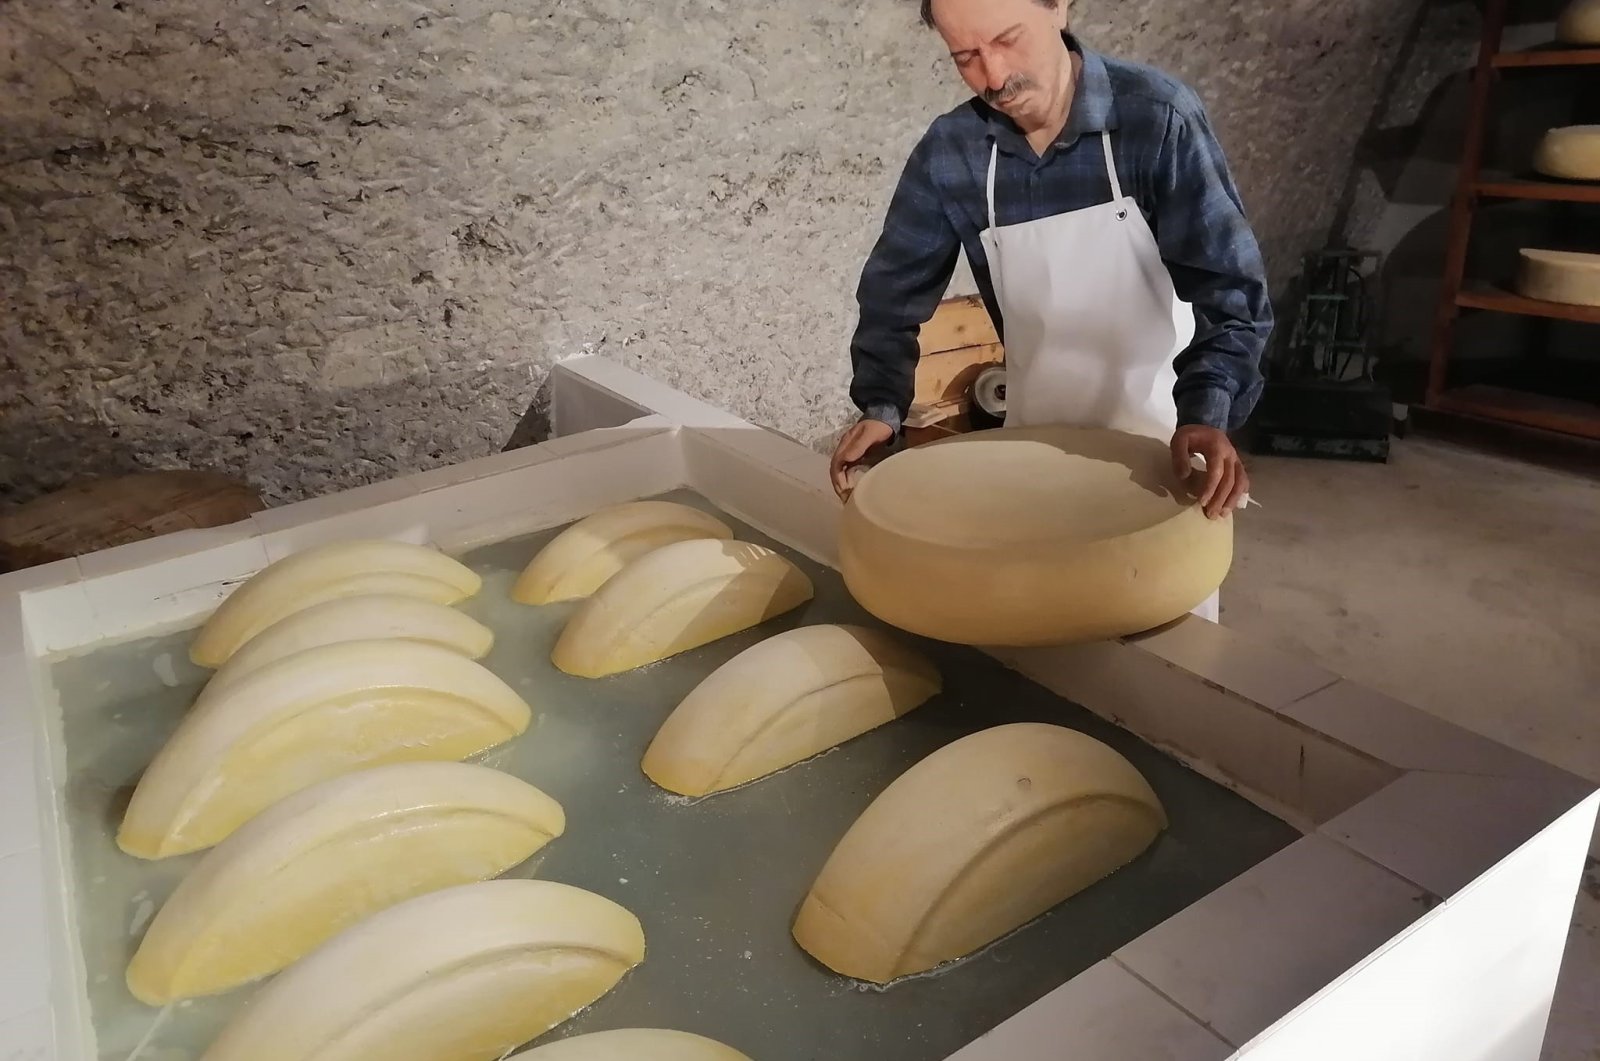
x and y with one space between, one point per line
1463 583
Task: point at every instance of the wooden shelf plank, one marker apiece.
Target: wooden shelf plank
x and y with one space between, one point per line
1563 415
1505 302
1548 191
1549 57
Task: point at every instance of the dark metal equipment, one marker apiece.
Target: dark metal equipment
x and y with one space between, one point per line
1321 398
988 405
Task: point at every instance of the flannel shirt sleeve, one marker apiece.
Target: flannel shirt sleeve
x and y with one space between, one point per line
1216 265
901 284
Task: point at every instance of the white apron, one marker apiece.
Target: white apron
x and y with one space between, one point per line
1092 321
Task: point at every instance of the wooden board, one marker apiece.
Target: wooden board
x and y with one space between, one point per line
948 375
957 323
95 514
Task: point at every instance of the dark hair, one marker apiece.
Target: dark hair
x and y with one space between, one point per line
927 10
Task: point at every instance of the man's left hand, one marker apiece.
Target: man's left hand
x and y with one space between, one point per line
1224 480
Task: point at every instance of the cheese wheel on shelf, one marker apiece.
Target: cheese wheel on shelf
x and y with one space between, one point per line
1571 152
1030 536
1579 22
1568 277
972 843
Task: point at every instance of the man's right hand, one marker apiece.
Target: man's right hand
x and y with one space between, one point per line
854 447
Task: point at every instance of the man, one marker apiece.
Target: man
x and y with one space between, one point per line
1106 237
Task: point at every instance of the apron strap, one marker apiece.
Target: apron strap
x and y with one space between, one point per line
1111 169
994 154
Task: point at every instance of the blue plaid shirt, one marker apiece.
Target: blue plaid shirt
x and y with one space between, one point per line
1167 159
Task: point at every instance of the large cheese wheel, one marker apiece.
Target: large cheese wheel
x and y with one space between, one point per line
1560 276
1571 153
328 856
783 700
972 843
1030 536
1579 22
463 974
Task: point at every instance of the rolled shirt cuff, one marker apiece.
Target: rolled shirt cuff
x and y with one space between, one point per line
885 412
1207 406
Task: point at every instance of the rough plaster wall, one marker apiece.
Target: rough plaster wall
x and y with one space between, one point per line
321 243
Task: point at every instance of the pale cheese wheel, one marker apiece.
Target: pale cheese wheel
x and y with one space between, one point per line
1030 536
323 573
1559 276
316 714
675 598
319 861
1571 153
364 618
783 700
972 843
587 554
1579 22
465 974
633 1044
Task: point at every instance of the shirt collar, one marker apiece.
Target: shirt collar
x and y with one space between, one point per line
1093 105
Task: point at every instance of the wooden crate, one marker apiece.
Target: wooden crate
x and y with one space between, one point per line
956 344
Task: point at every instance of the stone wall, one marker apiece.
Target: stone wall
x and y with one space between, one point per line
320 243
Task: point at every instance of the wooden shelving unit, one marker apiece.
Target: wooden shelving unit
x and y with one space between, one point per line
1542 412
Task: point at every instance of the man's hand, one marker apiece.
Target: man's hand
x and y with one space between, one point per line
853 448
1225 482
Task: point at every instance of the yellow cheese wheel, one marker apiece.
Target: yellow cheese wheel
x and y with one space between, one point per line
972 843
1579 22
1571 153
1030 536
1560 276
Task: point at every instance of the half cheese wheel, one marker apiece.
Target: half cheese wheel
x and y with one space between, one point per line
323 573
971 843
1030 536
1579 22
633 1044
783 700
364 618
305 718
463 974
675 598
324 858
1571 152
583 557
1559 276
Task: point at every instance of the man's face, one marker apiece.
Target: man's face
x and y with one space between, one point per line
1008 51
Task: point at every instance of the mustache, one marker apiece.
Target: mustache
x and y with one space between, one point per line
1014 84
